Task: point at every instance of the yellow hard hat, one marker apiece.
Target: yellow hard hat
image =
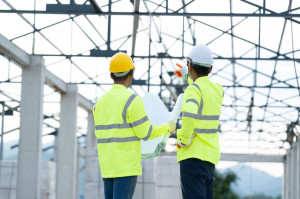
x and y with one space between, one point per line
120 62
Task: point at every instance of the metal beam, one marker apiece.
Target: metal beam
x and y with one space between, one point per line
135 25
85 103
72 3
268 10
95 6
19 56
163 82
23 59
242 157
13 52
138 83
164 56
55 82
91 12
141 83
275 65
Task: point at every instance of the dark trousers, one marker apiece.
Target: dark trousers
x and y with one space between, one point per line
119 188
197 179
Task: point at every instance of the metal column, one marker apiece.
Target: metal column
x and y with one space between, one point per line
66 180
29 158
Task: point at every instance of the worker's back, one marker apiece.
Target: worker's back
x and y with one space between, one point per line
119 150
111 104
120 124
206 109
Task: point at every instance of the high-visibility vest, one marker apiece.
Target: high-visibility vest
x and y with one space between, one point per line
201 110
120 124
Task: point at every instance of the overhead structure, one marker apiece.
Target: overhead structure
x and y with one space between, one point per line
135 25
255 46
256 52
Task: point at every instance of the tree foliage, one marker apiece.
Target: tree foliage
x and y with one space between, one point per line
260 196
222 189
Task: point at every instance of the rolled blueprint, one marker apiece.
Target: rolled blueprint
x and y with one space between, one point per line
158 114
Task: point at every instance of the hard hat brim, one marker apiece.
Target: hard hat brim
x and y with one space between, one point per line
200 64
119 71
122 73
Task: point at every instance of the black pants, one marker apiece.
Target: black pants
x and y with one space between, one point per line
197 179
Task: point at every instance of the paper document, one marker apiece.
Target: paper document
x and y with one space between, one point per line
158 114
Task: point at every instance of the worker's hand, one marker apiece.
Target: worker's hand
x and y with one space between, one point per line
182 71
172 125
179 144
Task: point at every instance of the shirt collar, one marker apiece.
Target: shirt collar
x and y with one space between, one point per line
202 79
120 86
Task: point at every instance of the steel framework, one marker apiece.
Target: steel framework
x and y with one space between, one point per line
256 54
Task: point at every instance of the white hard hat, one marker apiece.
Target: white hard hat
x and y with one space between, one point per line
201 55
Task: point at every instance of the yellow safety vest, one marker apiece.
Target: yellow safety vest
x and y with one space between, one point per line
201 110
120 124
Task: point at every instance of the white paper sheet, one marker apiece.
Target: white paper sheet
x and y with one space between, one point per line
158 114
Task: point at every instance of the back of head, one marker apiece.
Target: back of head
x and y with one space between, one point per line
201 55
120 66
201 59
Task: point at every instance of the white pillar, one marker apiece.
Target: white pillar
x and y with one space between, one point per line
167 173
145 187
91 140
298 167
289 174
284 181
294 171
29 156
93 183
77 173
55 148
66 183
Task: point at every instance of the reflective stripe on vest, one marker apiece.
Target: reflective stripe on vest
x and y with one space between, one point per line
192 100
110 140
199 116
119 126
148 135
124 126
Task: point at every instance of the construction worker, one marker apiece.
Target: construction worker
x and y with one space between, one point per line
197 142
120 124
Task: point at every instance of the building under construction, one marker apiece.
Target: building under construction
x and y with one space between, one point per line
54 60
